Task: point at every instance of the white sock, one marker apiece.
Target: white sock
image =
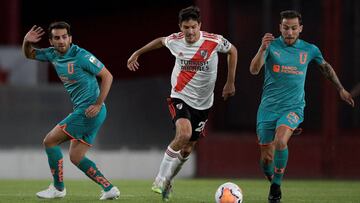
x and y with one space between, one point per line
179 163
167 165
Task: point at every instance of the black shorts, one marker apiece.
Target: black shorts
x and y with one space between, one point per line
179 109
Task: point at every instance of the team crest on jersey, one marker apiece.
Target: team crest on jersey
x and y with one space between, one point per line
179 106
204 53
303 57
181 54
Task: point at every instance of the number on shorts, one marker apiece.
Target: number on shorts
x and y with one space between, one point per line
201 126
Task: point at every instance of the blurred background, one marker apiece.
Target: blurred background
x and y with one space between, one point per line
138 126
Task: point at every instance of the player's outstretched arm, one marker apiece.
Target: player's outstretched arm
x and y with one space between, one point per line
33 36
330 74
133 63
229 88
258 61
105 84
356 90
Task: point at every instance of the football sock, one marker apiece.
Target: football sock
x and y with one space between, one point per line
170 157
55 159
268 169
281 158
90 169
176 166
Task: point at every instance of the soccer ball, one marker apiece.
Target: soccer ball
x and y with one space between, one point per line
228 193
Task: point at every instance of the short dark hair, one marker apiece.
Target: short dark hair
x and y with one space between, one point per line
189 13
290 14
59 25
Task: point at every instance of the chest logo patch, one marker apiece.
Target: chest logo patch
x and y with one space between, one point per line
303 57
204 53
71 68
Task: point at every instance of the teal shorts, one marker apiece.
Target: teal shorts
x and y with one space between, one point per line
79 127
268 122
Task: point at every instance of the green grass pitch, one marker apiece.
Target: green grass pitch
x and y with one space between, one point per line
187 191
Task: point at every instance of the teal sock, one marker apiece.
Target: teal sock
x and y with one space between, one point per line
55 159
268 169
90 169
281 158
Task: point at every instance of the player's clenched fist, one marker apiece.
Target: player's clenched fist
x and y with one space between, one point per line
268 37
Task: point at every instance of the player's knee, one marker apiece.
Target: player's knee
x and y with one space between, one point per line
280 144
75 159
186 151
47 142
267 158
184 130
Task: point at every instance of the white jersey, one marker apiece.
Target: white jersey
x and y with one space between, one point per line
194 75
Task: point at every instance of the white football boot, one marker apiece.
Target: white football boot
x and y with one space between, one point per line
114 193
51 193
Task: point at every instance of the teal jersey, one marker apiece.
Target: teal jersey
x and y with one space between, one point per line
77 69
285 73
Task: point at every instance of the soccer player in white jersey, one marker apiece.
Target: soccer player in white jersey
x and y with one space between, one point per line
193 79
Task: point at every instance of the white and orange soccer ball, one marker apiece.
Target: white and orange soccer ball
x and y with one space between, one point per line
229 193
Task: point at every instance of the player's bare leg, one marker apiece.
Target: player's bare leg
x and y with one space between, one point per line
171 158
297 131
183 157
55 158
282 137
77 156
267 160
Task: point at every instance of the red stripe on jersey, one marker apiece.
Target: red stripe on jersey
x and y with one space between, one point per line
210 35
177 36
184 76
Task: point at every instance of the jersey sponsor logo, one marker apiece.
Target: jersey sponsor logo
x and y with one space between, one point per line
276 68
287 69
303 57
189 65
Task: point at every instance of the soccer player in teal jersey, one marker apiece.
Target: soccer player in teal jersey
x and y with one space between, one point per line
286 59
77 69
